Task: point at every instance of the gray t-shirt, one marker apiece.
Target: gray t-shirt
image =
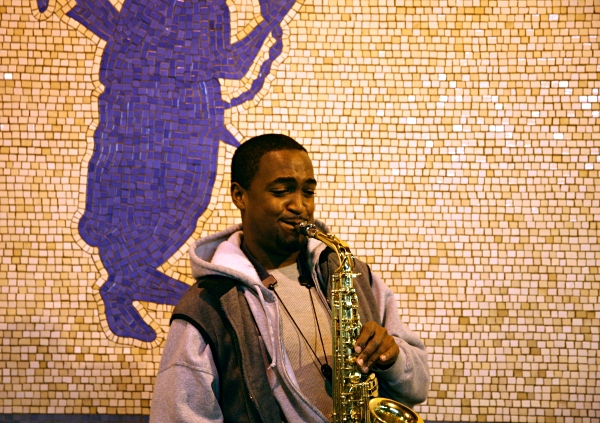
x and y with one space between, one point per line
297 300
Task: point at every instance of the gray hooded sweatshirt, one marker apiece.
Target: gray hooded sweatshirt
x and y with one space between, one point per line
187 384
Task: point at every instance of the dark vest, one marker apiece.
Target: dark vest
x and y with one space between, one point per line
216 306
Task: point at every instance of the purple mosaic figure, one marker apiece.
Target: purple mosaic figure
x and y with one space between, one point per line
161 121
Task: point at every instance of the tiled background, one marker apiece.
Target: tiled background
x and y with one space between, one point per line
457 148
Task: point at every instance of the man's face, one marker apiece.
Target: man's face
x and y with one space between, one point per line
281 196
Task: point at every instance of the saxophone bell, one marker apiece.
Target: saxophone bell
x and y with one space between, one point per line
384 410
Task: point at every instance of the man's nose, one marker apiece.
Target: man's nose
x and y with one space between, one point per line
297 202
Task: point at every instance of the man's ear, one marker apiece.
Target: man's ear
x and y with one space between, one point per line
238 196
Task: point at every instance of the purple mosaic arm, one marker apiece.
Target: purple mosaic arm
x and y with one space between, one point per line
265 69
238 57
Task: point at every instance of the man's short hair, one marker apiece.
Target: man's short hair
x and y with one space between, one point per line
246 160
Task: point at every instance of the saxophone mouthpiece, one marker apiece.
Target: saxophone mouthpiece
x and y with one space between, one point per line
303 227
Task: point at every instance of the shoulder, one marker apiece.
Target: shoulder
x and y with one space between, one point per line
207 290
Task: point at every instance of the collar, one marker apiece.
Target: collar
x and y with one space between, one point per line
268 280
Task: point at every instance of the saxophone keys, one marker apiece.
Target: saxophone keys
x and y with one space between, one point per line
354 378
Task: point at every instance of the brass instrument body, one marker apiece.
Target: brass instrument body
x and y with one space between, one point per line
355 396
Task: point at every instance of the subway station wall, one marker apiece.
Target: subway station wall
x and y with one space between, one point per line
456 145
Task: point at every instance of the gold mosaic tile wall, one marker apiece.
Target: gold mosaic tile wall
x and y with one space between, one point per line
457 149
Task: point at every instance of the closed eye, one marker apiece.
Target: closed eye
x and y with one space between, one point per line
281 189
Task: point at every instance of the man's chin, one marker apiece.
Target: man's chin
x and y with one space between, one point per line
290 244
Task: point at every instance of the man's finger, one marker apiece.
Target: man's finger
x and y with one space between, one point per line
385 348
373 337
367 332
390 355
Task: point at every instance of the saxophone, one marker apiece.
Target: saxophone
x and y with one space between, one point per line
355 396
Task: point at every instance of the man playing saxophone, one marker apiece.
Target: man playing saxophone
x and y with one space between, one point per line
252 340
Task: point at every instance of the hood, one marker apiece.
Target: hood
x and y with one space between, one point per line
220 254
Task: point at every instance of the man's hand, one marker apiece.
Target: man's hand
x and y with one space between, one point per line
375 346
